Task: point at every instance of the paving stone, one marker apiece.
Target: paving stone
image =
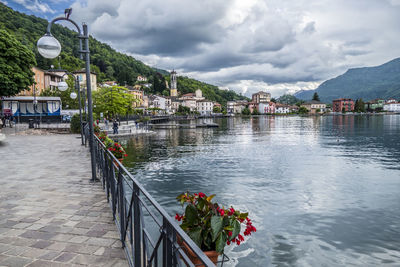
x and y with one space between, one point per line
65 257
33 253
62 237
42 244
49 255
15 261
104 242
15 250
78 239
44 263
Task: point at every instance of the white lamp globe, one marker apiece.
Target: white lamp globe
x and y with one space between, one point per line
48 46
62 86
73 95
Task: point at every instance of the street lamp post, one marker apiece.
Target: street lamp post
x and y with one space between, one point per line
49 47
62 86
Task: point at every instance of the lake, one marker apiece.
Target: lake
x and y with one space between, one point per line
322 191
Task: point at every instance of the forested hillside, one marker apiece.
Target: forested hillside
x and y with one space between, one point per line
106 61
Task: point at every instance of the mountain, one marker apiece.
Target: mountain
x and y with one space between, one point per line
367 83
105 61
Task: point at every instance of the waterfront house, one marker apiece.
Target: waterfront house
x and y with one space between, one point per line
266 107
343 104
392 106
314 106
282 108
205 107
374 105
261 97
137 95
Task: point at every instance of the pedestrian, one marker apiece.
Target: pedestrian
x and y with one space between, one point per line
10 120
115 127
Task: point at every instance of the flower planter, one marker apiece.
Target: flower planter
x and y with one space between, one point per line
212 255
120 160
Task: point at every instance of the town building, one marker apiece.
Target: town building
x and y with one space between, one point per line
204 107
261 97
81 75
39 85
252 106
52 78
343 104
374 105
235 107
266 107
138 96
141 78
282 108
392 106
174 87
109 84
314 106
156 101
190 103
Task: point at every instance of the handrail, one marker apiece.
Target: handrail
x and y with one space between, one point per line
127 198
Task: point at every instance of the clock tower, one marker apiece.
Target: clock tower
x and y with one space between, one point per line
174 89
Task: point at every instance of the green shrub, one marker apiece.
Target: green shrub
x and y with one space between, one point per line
75 124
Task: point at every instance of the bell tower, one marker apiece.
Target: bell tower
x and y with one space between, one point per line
174 89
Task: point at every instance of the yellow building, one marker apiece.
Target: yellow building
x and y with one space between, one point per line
138 95
81 75
39 85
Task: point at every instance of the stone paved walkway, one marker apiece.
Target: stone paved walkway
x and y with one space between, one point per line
50 215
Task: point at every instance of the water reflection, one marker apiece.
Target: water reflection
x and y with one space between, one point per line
322 190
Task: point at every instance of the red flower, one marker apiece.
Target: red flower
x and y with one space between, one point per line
230 233
228 242
221 212
241 238
201 195
238 242
125 155
178 217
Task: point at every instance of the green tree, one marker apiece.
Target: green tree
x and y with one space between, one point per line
16 62
255 112
112 101
359 106
315 97
246 111
216 109
303 110
273 100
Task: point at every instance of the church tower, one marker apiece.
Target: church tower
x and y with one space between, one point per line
174 88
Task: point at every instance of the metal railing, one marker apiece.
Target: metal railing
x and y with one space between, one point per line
148 233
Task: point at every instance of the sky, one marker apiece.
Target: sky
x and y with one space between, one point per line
246 46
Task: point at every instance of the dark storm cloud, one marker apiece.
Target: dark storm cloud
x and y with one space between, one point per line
262 42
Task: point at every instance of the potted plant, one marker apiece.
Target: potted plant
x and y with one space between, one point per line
116 149
211 226
96 129
103 136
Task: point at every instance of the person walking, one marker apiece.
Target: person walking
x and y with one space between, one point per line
115 127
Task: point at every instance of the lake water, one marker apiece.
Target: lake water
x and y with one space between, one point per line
322 191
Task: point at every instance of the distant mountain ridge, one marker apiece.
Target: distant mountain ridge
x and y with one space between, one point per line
367 83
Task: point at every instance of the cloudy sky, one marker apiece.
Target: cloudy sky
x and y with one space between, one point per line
244 45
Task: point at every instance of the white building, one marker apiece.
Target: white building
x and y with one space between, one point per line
205 107
267 107
156 101
282 108
141 78
234 107
392 107
190 103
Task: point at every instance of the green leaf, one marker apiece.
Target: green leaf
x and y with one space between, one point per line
191 214
195 235
236 230
221 242
243 215
216 226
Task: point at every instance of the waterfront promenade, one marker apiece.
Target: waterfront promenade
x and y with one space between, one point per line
50 215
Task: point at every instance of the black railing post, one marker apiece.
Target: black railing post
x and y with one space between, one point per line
137 227
121 208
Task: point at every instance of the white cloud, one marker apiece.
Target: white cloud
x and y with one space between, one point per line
35 6
281 46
